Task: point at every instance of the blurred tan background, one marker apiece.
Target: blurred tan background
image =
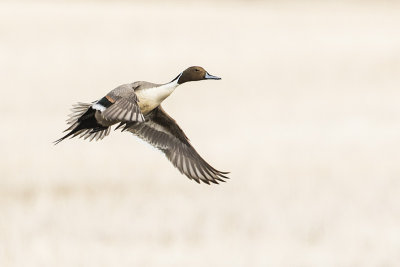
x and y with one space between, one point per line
306 118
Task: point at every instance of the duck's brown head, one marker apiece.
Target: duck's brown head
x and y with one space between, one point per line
195 73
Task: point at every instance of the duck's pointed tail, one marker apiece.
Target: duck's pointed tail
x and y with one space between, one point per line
84 124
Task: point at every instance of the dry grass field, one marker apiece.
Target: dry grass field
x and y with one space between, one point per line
306 118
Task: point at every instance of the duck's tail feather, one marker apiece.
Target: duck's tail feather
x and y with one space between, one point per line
84 124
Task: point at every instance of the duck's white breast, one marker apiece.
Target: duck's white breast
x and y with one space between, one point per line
150 98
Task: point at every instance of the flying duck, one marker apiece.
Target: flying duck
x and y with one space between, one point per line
136 107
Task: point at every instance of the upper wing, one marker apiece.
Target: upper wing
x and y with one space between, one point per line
161 131
121 104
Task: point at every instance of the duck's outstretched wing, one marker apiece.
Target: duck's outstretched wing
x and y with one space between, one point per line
161 131
93 120
121 104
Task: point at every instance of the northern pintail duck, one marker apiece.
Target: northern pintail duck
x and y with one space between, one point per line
136 107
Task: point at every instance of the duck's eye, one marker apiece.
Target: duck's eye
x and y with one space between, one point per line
196 70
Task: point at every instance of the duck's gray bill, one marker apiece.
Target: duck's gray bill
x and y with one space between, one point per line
211 77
